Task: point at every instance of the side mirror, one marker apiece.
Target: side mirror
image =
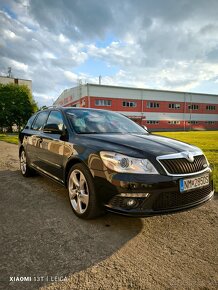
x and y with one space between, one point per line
52 129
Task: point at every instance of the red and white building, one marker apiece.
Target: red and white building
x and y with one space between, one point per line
156 109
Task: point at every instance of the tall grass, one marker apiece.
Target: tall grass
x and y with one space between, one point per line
10 138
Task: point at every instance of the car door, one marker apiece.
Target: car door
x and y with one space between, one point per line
52 145
33 146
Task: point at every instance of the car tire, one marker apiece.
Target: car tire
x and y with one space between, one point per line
82 193
25 169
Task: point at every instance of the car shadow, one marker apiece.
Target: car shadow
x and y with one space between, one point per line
41 237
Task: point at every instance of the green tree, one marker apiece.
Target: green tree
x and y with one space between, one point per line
43 108
16 105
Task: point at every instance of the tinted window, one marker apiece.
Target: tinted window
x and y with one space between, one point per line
95 122
30 121
40 121
55 117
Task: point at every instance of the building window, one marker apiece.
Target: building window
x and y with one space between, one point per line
129 104
210 108
152 122
193 107
174 122
174 106
192 122
153 105
103 103
83 103
210 122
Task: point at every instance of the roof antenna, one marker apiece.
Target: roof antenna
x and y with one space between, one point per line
99 79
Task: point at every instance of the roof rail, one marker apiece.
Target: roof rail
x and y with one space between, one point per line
53 106
49 107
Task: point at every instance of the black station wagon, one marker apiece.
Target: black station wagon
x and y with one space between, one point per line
108 162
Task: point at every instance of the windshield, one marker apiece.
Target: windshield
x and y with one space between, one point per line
85 121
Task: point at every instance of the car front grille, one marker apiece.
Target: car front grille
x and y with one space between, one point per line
183 166
170 200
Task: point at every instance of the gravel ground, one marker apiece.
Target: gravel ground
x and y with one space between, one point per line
41 239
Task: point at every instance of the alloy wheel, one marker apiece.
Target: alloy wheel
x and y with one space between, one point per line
78 191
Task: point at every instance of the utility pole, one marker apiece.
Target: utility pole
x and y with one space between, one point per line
9 72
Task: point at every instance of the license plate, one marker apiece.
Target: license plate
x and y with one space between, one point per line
195 182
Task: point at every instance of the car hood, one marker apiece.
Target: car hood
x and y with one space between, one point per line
137 144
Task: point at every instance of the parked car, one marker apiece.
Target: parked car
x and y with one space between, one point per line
108 162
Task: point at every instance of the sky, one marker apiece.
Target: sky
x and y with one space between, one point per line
155 44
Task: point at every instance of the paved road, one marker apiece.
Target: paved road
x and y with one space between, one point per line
41 239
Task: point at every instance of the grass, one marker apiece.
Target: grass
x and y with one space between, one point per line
206 140
10 138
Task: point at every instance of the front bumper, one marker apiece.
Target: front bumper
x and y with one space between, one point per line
149 194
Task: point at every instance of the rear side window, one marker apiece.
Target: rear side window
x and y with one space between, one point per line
30 121
40 121
55 117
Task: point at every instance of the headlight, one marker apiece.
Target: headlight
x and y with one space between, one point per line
126 164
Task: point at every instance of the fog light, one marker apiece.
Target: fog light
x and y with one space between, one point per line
131 203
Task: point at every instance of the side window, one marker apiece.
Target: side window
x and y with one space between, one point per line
55 117
30 121
40 121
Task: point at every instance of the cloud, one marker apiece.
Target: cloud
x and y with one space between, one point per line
71 76
154 44
76 19
212 56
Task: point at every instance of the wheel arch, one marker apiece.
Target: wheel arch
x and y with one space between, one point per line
71 163
20 150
